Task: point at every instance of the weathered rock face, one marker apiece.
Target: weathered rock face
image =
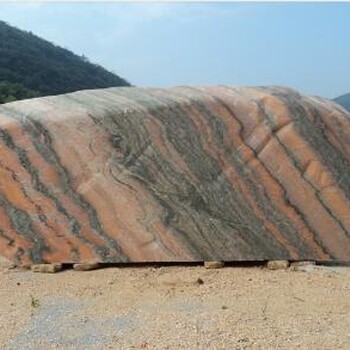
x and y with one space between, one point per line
181 174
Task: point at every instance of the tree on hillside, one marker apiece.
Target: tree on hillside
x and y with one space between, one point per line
31 66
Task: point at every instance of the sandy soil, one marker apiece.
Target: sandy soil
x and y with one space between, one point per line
166 308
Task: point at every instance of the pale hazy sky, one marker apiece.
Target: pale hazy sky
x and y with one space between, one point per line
301 45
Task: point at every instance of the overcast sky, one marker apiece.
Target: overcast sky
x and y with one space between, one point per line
304 46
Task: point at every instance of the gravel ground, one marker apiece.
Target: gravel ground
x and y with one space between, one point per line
168 308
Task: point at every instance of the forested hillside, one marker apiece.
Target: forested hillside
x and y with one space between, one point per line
31 66
344 100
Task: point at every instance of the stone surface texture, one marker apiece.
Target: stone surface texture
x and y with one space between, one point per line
179 174
47 268
277 264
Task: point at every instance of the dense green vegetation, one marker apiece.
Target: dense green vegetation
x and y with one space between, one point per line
31 66
344 100
13 91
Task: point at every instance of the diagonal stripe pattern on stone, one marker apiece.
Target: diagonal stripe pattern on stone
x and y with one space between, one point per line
179 174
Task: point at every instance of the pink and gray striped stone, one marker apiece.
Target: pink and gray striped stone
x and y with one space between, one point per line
180 174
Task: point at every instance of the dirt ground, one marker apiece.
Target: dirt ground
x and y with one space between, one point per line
169 308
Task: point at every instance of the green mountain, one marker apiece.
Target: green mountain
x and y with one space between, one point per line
344 101
31 66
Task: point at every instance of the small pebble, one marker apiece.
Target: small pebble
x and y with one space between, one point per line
199 281
46 268
277 264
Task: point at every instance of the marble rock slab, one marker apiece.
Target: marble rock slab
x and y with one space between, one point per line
179 174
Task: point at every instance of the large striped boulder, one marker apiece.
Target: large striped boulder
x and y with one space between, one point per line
179 174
